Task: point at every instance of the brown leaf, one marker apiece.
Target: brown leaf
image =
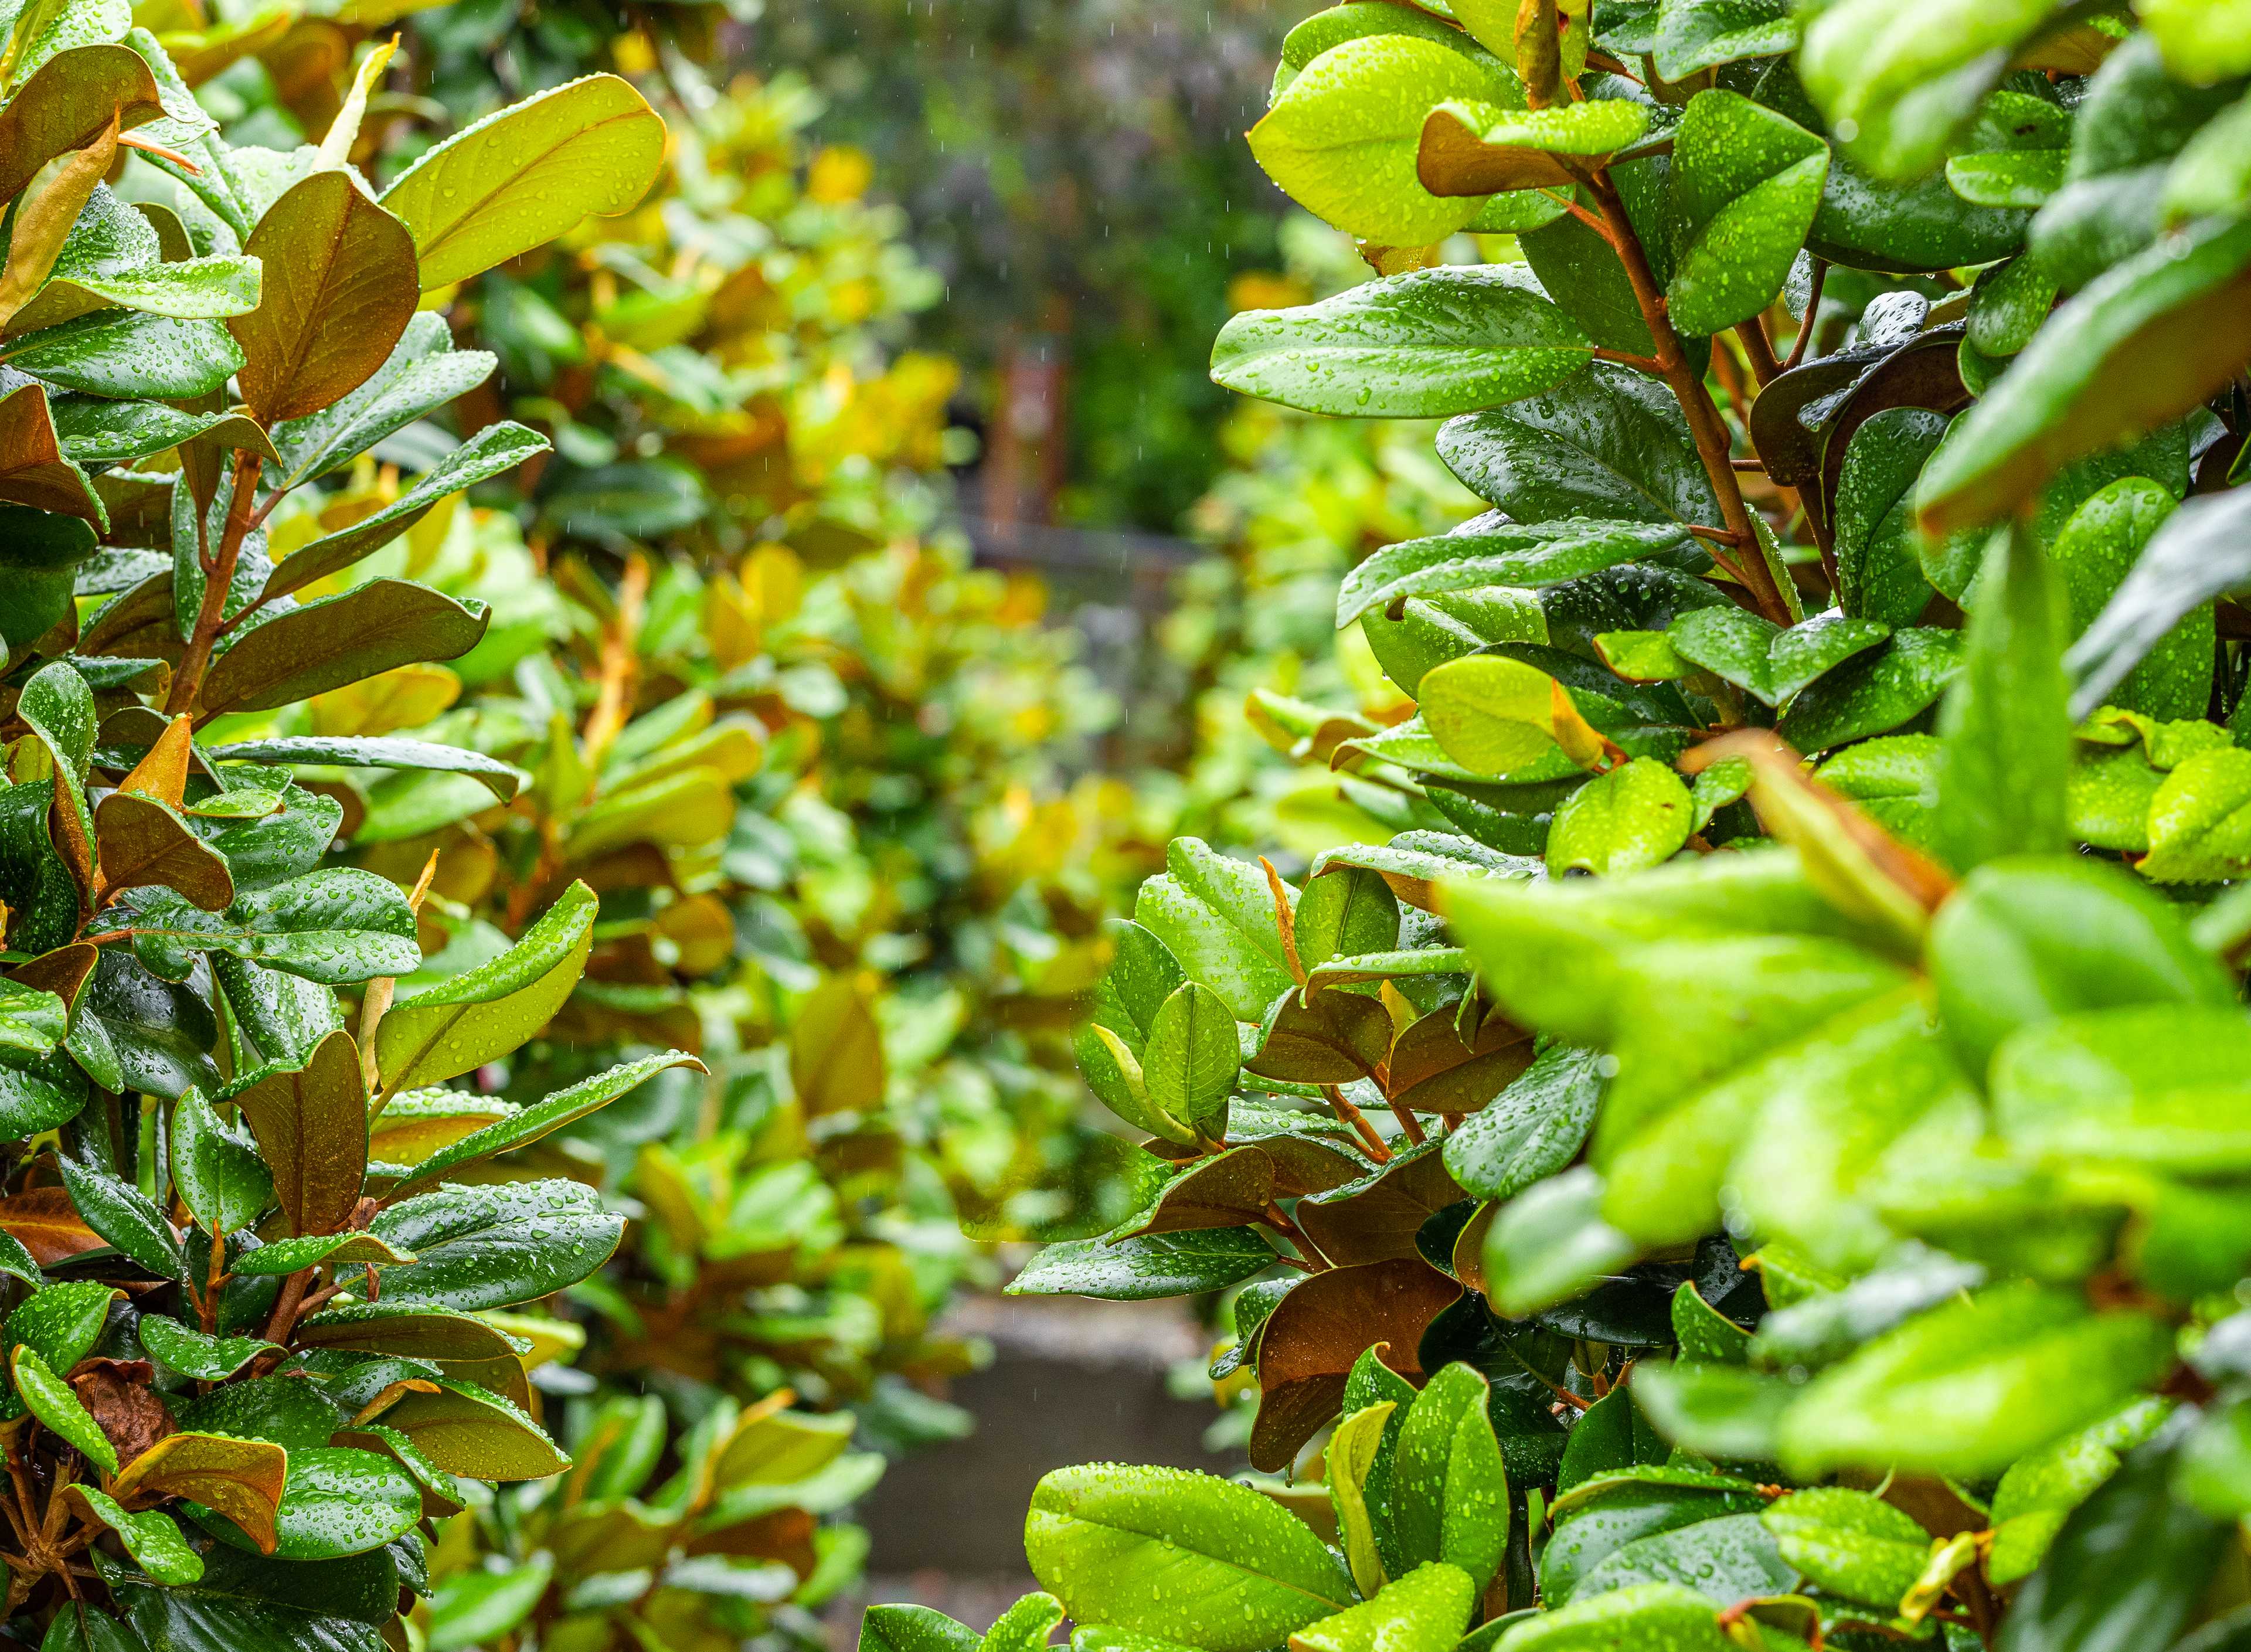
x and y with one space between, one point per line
66 105
785 1535
1320 1327
243 1479
33 469
1378 1219
340 287
1229 1190
162 771
836 1051
139 841
311 1127
44 216
48 1225
119 1394
1338 1037
1432 1071
1453 159
63 972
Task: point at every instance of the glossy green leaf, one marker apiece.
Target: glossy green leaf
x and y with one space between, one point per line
1450 1491
126 354
151 1538
467 1431
1506 553
1189 1067
222 1180
1421 345
493 1246
1850 1544
1637 816
302 651
193 1354
488 1012
1215 916
1874 693
125 1216
1967 1388
475 1608
1703 34
54 1403
1421 1612
2148 1085
1746 182
1138 1269
336 926
526 174
1664 1616
1188 1557
2197 553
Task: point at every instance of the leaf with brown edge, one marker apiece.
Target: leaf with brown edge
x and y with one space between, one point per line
67 103
1859 868
1230 1190
1315 1333
321 645
1434 1070
242 1479
46 1223
340 288
311 1126
33 468
1338 1039
42 222
162 771
1376 1217
139 841
64 972
466 1431
120 1396
410 1332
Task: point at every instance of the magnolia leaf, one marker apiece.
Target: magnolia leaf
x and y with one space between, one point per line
488 1012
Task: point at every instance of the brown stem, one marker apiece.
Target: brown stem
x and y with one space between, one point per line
218 580
1352 1116
285 1309
1687 387
208 1307
1407 1122
1812 313
1648 365
1274 1217
1760 349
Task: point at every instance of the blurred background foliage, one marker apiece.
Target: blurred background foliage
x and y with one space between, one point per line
856 804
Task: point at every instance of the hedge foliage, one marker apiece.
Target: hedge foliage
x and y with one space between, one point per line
1753 1156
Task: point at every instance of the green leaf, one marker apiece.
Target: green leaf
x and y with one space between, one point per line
423 373
1347 912
1874 693
1641 1615
1637 816
2094 555
222 1180
126 354
915 1628
1138 1269
2039 1492
477 1608
61 1322
1424 1611
2005 736
194 1617
1746 181
1341 138
2006 178
2198 828
1727 1560
1495 715
152 1538
467 1431
1611 443
493 1246
1530 1131
310 1250
1904 80
1702 34
292 1412
1850 1544
1422 345
490 1011
1772 664
503 780
1355 1445
1704 1333
125 1216
1969 1387
2144 343
1551 1243
2127 1569
336 926
522 1128
527 174
64 104
1600 1515
1184 1556
1470 146
1542 553
2025 942
339 274
338 1501
498 448
1721 1412
1450 1491
1216 915
191 1353
54 1403
2147 1085
2200 551
373 627
406 1330
1190 1064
